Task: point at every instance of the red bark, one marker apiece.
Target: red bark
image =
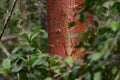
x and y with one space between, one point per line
79 28
60 13
57 27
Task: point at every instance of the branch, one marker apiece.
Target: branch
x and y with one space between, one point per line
8 18
6 38
4 50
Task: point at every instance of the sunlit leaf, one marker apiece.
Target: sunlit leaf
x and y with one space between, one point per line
6 64
69 60
97 76
48 78
114 25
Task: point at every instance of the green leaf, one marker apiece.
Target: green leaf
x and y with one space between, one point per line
26 36
69 60
15 50
20 57
117 77
83 17
34 35
40 61
96 56
97 76
79 44
84 36
117 6
87 76
71 24
6 64
96 23
114 25
114 70
87 45
23 75
74 36
66 75
45 34
4 71
16 69
100 10
48 78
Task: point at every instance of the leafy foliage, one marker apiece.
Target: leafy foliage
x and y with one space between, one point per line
102 40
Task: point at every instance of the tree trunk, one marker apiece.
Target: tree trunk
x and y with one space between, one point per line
59 42
60 14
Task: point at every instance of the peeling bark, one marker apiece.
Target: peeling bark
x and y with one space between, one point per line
79 28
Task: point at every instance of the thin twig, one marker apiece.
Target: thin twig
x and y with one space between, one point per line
9 37
4 50
8 18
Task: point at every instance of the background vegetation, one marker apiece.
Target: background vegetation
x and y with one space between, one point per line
24 53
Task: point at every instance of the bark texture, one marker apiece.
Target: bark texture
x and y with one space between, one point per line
60 14
59 42
80 27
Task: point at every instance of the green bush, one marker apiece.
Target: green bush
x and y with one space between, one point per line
28 61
